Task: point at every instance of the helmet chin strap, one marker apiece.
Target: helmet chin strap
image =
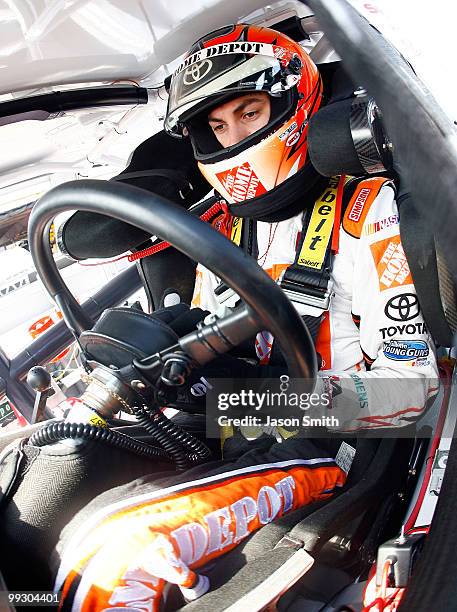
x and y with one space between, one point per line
284 201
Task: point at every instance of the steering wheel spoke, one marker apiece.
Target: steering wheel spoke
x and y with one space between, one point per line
221 335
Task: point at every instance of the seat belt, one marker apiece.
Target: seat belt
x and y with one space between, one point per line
420 249
307 282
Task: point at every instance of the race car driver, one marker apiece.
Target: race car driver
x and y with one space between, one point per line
244 95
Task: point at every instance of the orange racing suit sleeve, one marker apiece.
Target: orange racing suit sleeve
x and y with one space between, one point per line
123 549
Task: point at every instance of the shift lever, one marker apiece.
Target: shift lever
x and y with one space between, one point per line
40 381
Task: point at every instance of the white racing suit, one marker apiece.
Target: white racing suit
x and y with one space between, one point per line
121 551
374 333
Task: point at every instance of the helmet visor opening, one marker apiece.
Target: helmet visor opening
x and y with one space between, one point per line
205 144
201 77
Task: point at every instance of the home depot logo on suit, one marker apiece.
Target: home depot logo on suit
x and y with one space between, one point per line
390 261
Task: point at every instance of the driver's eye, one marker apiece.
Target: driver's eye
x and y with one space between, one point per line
218 128
251 114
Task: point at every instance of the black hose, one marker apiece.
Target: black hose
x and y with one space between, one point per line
53 432
181 445
177 444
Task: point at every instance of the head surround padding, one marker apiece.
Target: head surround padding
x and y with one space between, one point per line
346 135
331 148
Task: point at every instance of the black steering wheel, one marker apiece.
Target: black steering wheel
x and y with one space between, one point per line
265 305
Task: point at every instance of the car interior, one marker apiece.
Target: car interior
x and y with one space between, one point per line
51 469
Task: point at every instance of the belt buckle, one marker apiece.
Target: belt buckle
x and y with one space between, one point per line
228 298
310 305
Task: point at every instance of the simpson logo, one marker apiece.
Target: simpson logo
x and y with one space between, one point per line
253 48
241 183
378 226
405 350
390 261
292 139
357 208
293 126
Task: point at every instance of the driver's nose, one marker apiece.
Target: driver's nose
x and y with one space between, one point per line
236 133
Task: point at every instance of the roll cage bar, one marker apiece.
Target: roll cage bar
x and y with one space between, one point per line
45 347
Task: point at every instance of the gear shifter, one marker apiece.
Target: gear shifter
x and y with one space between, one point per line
40 381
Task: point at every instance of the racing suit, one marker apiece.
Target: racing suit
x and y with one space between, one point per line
128 543
374 330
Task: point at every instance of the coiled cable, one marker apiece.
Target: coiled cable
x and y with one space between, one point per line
180 444
53 432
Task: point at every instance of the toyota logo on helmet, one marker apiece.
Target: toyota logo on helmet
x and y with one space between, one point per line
196 72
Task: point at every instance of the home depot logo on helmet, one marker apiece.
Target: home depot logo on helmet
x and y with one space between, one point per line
251 48
241 183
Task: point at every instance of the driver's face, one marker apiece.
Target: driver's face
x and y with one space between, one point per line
237 119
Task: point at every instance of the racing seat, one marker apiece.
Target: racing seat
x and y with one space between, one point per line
341 535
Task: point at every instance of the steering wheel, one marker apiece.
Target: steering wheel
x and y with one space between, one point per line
265 307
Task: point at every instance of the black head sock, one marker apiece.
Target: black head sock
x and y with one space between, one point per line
284 201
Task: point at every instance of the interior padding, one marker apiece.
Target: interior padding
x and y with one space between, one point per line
87 235
330 144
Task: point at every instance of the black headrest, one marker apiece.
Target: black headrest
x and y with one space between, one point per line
347 137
